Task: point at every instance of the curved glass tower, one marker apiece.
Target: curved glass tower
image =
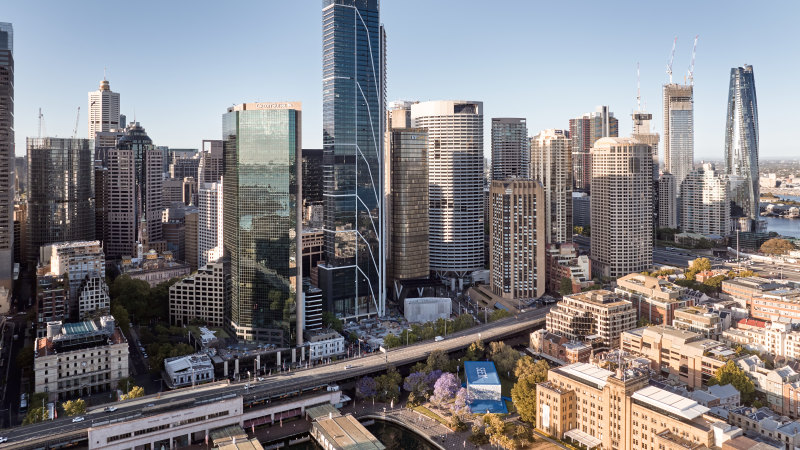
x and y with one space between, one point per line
353 114
741 143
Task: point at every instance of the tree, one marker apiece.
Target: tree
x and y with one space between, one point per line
463 322
565 286
460 405
135 392
388 385
74 407
438 360
731 373
35 415
523 395
475 351
494 425
25 358
330 320
776 246
445 387
527 366
366 387
352 337
391 341
498 314
416 384
504 357
715 282
698 265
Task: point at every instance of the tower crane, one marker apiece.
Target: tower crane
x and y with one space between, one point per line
41 123
638 90
77 118
671 58
691 67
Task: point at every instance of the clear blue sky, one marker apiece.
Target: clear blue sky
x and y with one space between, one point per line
179 64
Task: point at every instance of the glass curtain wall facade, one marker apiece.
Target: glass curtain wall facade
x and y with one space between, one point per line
678 132
353 104
511 155
260 187
148 181
6 153
60 192
741 143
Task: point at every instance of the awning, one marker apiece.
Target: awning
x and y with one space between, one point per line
583 438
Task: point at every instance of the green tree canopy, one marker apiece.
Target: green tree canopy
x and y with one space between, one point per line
475 351
498 314
388 385
731 373
565 286
776 246
504 357
391 341
135 392
35 415
74 407
523 395
330 320
527 366
698 265
438 360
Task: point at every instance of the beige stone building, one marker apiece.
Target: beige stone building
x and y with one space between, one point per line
654 299
597 408
551 164
598 317
700 320
200 296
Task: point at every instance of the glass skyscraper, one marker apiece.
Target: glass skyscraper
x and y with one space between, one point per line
260 232
741 143
353 114
6 153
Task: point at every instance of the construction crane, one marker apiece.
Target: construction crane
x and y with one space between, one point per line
671 58
41 123
638 90
77 118
691 67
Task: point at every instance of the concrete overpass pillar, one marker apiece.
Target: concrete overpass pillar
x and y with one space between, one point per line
294 355
279 359
225 369
258 363
236 367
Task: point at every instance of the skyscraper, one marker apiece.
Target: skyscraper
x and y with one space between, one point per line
353 104
120 204
551 164
511 154
148 184
622 207
60 192
209 170
517 239
642 132
741 143
455 184
678 131
261 231
584 132
667 209
705 207
103 109
209 223
6 154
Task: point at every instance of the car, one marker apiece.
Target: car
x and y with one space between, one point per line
77 419
260 378
110 408
348 367
3 439
150 404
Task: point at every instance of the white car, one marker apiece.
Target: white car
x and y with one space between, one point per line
3 439
110 408
77 419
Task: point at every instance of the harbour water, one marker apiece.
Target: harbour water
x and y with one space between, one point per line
785 227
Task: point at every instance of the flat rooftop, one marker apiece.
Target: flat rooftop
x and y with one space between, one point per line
587 372
672 403
345 432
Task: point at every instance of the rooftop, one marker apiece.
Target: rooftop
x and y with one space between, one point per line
669 402
481 373
346 432
189 363
587 372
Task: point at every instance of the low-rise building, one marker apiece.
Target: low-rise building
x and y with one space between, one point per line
654 299
558 348
563 261
153 268
599 313
483 386
685 355
324 344
201 297
745 289
723 396
771 382
52 298
698 319
80 359
189 370
427 309
766 424
776 338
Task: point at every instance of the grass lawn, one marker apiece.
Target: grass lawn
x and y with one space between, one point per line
427 412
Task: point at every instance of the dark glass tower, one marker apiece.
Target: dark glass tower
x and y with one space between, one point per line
261 144
353 114
741 143
148 181
6 153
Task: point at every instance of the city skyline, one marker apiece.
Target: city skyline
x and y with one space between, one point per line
505 86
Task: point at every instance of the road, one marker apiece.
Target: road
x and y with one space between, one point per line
286 382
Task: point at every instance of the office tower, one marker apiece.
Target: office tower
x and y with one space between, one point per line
104 140
262 228
678 131
84 265
741 143
6 154
584 132
149 184
705 206
312 177
455 184
120 204
61 192
581 209
175 236
201 296
103 109
184 166
551 165
353 108
100 191
209 170
209 224
517 237
622 207
667 207
511 154
191 238
409 204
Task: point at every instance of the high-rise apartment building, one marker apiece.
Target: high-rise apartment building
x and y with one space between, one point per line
551 164
409 204
667 199
600 316
353 111
622 207
120 204
149 183
705 206
209 224
678 131
517 239
192 239
103 109
209 169
201 296
511 153
741 143
584 132
60 192
6 154
261 231
455 184
642 132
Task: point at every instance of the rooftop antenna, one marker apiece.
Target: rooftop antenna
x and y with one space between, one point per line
104 74
691 67
638 90
671 58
